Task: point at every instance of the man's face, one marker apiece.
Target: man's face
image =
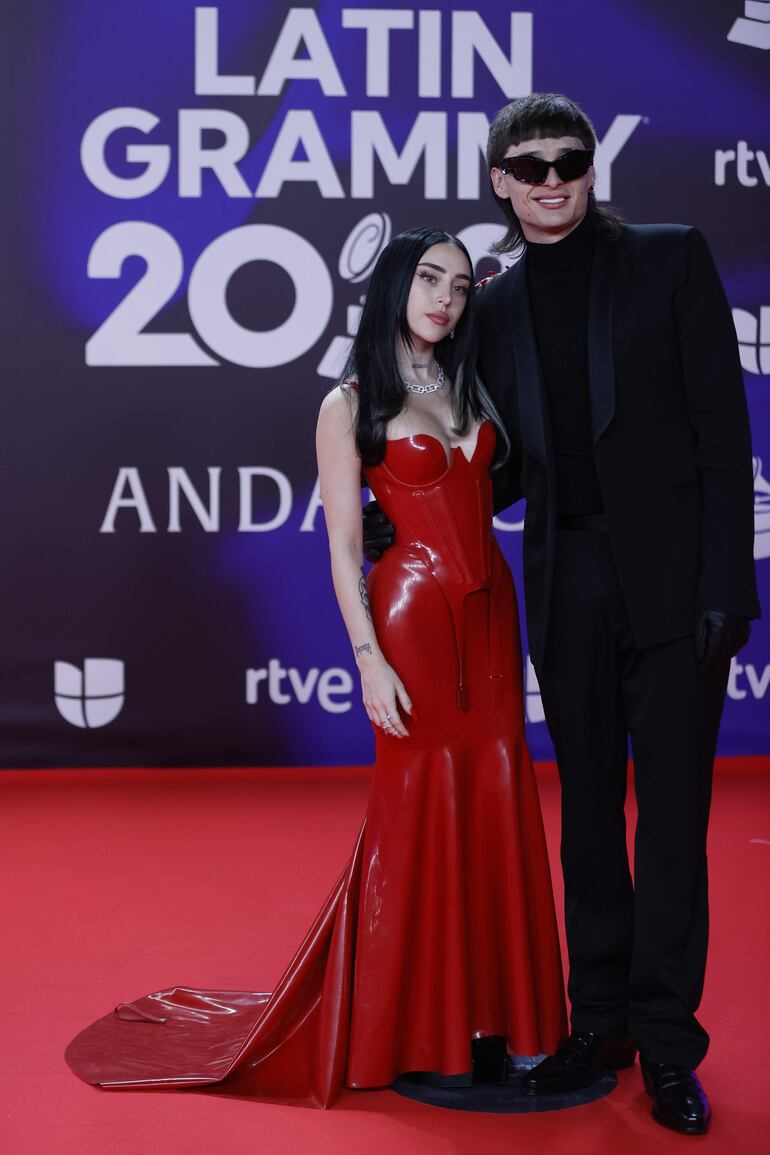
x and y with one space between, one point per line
547 212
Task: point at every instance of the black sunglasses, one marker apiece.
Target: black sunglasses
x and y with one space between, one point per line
534 170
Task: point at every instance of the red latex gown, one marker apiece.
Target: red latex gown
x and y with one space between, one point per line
442 926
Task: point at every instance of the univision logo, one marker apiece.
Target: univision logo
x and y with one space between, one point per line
91 697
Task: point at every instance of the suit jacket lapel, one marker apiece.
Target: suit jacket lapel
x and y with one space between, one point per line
535 430
601 369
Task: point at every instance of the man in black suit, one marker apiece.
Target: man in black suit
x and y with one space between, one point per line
610 352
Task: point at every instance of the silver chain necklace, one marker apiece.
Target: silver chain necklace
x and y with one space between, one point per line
434 388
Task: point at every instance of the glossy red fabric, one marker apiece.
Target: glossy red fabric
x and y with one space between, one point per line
442 926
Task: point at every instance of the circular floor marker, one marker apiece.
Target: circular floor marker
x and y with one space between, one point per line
506 1098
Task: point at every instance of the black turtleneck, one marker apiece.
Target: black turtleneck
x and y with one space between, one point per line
558 276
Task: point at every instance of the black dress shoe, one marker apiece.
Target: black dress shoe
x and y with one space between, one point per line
490 1059
579 1060
678 1099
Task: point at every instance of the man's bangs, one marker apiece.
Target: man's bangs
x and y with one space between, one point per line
536 127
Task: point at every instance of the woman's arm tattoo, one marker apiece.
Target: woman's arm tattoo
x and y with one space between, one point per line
364 649
364 595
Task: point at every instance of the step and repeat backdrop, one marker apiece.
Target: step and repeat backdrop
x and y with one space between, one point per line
194 197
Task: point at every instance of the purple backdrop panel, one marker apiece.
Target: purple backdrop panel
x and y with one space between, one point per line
196 200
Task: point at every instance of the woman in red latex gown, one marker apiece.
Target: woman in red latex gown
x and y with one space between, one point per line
441 930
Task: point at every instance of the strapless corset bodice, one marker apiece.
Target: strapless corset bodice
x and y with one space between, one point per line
441 510
444 553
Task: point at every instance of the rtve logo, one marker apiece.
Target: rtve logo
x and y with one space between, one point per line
747 680
753 339
286 686
750 165
753 28
90 697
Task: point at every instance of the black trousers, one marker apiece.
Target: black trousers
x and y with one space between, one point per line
637 951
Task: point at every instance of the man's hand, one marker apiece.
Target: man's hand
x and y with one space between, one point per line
718 637
378 532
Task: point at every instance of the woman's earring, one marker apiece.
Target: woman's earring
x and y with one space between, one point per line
591 189
452 335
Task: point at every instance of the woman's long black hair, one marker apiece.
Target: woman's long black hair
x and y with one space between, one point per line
372 361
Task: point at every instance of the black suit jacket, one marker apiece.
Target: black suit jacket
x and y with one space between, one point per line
670 425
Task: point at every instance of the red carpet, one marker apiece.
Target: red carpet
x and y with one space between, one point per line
118 882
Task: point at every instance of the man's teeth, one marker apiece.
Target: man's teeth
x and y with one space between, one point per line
551 200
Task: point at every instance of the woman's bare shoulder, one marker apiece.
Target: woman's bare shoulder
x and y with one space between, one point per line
343 398
339 407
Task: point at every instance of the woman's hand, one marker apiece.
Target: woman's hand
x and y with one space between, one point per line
383 692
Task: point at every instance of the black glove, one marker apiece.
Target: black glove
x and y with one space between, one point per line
718 636
378 532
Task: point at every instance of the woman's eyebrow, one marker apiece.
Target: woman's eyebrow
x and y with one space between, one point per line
441 269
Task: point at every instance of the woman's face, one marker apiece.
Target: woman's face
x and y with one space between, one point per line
438 296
